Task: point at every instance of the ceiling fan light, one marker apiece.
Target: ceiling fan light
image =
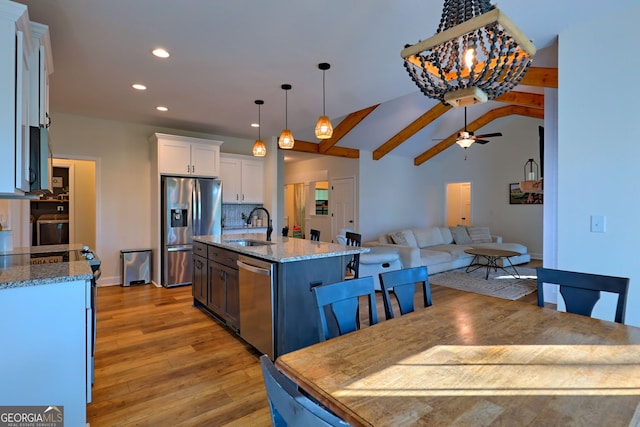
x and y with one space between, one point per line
324 130
465 143
286 141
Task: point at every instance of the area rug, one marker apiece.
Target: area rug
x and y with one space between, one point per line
499 284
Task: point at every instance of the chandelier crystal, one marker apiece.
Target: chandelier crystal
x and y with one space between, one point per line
476 55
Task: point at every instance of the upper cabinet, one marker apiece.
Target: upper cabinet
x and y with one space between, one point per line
41 65
242 179
183 156
15 49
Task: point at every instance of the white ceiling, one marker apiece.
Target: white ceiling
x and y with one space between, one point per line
226 54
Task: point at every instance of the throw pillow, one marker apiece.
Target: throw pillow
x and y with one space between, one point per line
428 236
446 235
404 237
479 234
460 235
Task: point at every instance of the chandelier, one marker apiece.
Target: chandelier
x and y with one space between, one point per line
476 55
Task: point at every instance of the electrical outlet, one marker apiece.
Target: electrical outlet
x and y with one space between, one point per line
60 208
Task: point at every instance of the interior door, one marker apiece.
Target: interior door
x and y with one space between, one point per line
341 201
459 203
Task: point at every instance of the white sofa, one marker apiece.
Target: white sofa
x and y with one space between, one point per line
442 248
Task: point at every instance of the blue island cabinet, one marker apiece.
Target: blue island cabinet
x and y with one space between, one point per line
45 359
296 314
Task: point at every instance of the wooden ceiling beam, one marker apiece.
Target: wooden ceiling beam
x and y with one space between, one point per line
345 127
522 98
541 77
312 147
477 124
406 133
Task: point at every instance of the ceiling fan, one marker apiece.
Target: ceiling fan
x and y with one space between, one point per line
466 138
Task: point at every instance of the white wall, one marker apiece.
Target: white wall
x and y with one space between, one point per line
123 179
395 194
597 151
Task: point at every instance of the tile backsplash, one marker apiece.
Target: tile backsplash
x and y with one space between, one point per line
232 215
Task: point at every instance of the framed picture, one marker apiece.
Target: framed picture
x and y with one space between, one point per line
519 197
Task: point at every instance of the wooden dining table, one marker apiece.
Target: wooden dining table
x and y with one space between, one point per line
476 360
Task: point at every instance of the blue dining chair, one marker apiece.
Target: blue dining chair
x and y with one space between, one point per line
403 285
288 406
581 291
342 300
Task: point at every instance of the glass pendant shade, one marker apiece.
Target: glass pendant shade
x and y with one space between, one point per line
324 130
286 140
259 149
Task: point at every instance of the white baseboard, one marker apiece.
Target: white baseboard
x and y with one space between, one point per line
109 281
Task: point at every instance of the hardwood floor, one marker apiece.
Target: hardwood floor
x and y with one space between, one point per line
160 361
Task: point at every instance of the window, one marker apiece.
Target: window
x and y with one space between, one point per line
322 197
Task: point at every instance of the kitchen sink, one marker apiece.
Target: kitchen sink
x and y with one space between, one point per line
248 242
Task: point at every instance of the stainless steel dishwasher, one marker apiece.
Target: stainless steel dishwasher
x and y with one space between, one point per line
257 302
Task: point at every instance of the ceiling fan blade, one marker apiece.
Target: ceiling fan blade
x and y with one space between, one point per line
489 135
481 141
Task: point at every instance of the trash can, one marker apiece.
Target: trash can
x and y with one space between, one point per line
136 266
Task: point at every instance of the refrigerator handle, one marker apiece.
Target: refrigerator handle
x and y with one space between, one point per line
194 208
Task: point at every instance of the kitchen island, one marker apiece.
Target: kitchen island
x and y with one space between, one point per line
283 308
46 329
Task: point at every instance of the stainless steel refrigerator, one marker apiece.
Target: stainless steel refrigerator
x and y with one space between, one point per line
190 207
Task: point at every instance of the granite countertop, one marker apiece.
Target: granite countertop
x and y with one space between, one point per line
282 249
249 229
17 276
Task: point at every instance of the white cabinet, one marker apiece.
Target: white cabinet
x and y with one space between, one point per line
179 155
46 333
41 65
15 49
242 179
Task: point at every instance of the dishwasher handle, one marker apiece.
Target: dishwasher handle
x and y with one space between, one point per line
253 268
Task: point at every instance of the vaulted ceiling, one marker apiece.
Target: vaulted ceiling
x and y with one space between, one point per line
226 54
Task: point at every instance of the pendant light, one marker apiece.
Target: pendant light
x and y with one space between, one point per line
324 130
259 149
286 140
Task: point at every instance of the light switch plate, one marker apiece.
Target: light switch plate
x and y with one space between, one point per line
598 223
56 181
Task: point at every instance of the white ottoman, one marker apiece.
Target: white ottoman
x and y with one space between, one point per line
379 260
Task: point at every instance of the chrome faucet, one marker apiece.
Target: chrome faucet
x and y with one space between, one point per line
269 225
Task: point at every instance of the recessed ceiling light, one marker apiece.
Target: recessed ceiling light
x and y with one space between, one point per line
255 125
139 86
161 108
160 53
